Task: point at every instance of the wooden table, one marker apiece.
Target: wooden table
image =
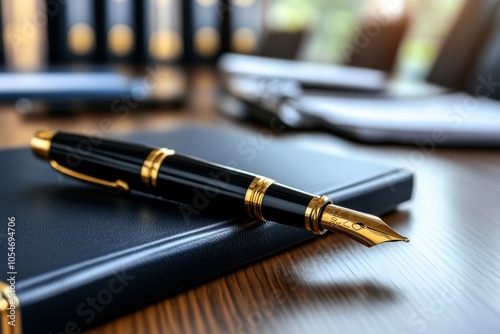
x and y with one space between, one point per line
446 280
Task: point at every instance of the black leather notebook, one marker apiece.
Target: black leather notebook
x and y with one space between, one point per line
85 254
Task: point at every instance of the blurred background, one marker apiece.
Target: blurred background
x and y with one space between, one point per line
333 24
157 63
90 32
131 32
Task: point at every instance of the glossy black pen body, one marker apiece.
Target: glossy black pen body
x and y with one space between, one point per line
170 175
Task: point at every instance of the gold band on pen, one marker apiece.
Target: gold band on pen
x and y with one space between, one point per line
41 143
255 195
10 312
151 166
313 214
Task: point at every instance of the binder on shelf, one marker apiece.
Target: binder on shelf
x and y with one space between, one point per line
203 22
24 34
163 33
74 32
119 30
2 48
246 25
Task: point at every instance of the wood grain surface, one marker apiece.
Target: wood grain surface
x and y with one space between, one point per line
446 280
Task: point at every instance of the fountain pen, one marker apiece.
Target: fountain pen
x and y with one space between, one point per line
164 173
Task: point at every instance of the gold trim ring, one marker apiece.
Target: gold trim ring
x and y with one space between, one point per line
313 214
255 195
41 142
8 300
151 166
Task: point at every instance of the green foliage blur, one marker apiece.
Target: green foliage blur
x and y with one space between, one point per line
333 23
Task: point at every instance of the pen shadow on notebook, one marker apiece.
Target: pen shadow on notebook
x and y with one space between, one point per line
104 198
137 205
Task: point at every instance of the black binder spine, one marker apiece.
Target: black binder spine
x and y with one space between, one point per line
203 30
119 30
246 25
163 33
75 33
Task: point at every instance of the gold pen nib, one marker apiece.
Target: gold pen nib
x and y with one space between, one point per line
364 228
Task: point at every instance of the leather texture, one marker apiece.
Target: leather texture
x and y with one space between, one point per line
85 254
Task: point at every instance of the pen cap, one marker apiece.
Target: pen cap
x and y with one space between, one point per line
93 159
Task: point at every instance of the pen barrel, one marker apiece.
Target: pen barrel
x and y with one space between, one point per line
204 185
102 159
286 205
200 185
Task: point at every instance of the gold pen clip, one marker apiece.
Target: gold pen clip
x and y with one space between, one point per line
41 144
118 184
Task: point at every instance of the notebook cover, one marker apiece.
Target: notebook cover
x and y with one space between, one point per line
85 254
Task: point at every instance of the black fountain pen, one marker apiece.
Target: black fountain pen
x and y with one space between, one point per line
164 173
